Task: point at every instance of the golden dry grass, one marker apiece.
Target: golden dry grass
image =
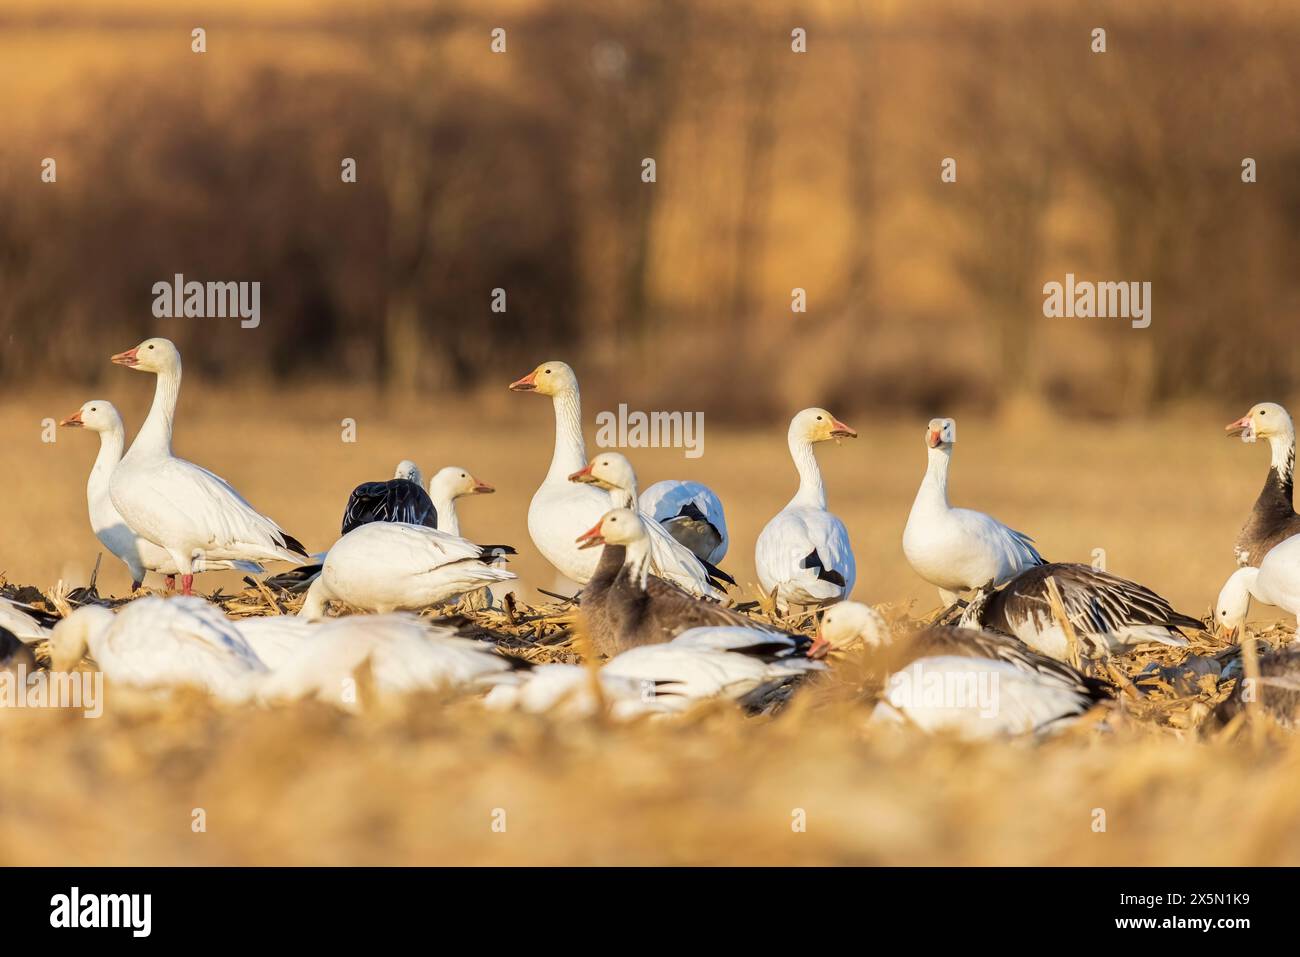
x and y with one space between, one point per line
419 782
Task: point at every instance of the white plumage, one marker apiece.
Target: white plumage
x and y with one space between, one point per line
445 487
669 558
138 554
561 510
185 509
692 513
958 549
20 623
160 643
1275 582
391 566
803 555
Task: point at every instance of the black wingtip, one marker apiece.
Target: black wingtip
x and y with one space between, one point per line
717 573
294 545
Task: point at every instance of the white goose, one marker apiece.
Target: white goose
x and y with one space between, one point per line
405 653
962 680
392 566
804 555
692 513
448 485
955 548
669 678
138 554
157 643
669 558
1276 582
185 509
561 509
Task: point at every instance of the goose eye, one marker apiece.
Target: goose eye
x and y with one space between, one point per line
151 347
819 418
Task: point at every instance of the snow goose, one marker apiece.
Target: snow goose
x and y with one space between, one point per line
803 555
448 485
1276 582
974 683
391 566
637 608
1273 518
669 558
185 509
138 554
560 508
955 548
693 515
405 654
1108 614
21 622
668 678
400 499
155 642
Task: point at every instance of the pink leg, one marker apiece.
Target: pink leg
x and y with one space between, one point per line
171 582
187 584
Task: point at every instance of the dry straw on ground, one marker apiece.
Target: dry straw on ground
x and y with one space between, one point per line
422 781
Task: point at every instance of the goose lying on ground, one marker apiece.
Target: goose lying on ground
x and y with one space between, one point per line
560 509
1109 614
1277 689
404 653
630 607
669 558
955 548
1273 519
658 679
974 683
21 622
138 554
449 484
185 509
693 515
392 566
158 643
803 555
400 499
1275 582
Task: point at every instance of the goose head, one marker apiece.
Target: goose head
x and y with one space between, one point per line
608 470
153 355
941 434
618 526
453 482
818 425
1233 603
97 415
1264 421
549 378
72 636
846 624
406 469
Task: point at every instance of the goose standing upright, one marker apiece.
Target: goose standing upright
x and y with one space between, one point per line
138 554
803 555
560 509
975 683
1273 518
448 485
669 558
958 549
185 509
692 513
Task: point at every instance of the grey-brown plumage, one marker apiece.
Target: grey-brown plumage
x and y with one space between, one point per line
1277 690
14 654
656 613
1107 612
1272 519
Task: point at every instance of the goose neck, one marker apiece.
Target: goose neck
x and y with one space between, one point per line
811 490
570 453
156 433
1283 464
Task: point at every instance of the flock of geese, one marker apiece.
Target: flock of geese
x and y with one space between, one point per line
653 597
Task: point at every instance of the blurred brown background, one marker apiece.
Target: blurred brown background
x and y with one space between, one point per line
775 171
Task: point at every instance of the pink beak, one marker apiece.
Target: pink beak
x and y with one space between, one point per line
128 358
482 488
934 439
841 431
527 384
590 537
583 474
1243 426
73 421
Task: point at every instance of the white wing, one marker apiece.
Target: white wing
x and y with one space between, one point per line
785 551
23 626
669 499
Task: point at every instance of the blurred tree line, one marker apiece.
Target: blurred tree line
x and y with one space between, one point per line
776 170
